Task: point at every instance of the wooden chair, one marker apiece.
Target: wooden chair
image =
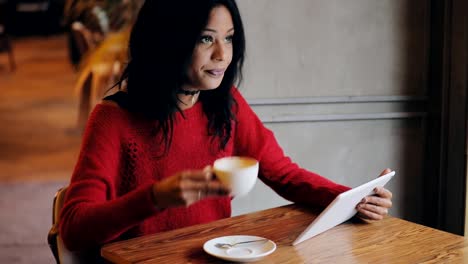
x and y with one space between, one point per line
61 254
99 71
82 37
83 88
91 87
5 46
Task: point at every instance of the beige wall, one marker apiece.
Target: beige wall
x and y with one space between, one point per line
334 47
346 83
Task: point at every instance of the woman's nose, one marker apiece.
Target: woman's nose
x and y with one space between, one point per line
219 52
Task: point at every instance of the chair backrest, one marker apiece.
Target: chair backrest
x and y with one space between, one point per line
83 37
93 84
61 254
53 233
4 41
6 46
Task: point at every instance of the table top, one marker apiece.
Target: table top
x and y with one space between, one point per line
391 240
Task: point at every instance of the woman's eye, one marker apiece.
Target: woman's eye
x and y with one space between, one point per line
229 39
206 39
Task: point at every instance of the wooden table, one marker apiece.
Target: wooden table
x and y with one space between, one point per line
391 240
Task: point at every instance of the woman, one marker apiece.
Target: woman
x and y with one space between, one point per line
144 161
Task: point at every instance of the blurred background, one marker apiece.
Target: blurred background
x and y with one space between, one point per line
57 57
348 87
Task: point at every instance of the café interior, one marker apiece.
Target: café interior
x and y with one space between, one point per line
348 89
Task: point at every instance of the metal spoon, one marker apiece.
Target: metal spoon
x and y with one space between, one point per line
227 245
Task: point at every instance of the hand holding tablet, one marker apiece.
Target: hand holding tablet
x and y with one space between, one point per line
375 206
342 208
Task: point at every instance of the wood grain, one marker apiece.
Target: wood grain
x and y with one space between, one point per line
391 240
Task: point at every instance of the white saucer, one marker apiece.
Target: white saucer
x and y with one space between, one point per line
240 253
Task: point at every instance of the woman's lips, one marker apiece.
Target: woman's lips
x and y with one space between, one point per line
216 72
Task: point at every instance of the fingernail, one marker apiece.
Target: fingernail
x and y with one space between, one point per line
364 200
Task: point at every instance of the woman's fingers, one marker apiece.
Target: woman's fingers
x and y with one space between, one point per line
378 209
382 201
197 175
207 188
386 171
198 192
371 211
369 215
384 193
200 184
187 187
375 207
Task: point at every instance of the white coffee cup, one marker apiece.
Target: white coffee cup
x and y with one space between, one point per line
238 173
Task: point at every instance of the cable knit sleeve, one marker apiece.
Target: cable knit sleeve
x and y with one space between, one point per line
286 178
93 214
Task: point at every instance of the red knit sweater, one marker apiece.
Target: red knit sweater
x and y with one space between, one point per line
109 197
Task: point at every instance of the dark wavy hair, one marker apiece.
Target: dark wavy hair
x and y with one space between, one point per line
161 46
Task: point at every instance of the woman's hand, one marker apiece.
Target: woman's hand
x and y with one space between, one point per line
375 207
187 187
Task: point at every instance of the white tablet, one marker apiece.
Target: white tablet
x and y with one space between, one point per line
342 208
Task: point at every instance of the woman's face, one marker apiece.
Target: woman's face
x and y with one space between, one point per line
213 52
